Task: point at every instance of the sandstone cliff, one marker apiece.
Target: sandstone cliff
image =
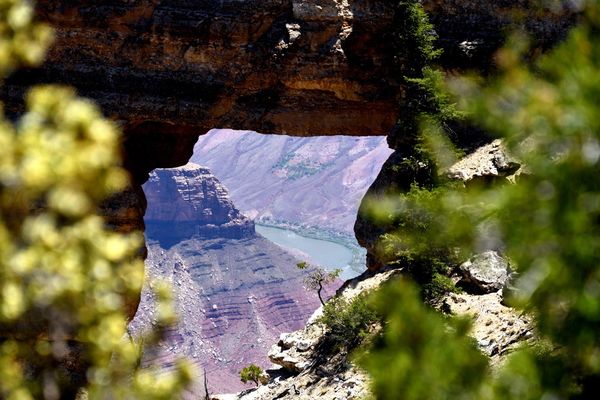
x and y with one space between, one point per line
172 69
169 70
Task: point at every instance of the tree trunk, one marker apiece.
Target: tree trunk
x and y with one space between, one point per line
319 293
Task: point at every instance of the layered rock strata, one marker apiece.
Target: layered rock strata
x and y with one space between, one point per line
235 291
190 202
170 70
271 66
301 372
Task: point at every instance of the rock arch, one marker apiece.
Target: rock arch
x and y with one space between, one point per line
170 70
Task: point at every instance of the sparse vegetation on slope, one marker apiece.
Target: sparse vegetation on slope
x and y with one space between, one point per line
253 373
349 322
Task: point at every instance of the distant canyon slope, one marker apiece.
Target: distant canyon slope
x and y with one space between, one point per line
315 182
235 291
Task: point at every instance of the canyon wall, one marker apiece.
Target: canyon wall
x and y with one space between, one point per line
309 182
235 292
169 70
190 201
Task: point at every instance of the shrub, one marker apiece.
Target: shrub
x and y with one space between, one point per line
419 354
349 322
253 373
549 224
424 240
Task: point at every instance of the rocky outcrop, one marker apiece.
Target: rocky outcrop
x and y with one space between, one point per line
303 373
188 202
488 162
498 329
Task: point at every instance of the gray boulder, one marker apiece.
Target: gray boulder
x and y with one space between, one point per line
484 273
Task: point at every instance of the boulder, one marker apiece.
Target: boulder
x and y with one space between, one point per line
484 273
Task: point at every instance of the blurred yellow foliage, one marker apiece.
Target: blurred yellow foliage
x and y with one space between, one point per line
65 279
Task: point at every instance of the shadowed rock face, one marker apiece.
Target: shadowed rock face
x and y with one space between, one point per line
189 201
172 69
169 70
180 67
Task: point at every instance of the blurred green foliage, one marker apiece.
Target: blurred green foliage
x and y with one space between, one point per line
67 283
22 42
419 355
421 137
425 241
413 40
548 222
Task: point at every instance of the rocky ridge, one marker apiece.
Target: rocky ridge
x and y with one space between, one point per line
301 374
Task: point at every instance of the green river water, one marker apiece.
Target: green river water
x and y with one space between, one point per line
326 253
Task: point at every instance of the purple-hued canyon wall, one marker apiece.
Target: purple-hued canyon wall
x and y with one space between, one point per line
235 292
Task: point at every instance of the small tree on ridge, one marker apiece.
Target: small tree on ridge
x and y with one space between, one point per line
318 278
253 373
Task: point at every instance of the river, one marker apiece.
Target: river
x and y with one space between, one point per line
328 254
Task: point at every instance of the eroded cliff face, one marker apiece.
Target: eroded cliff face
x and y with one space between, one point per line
190 201
234 291
470 31
172 69
168 70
